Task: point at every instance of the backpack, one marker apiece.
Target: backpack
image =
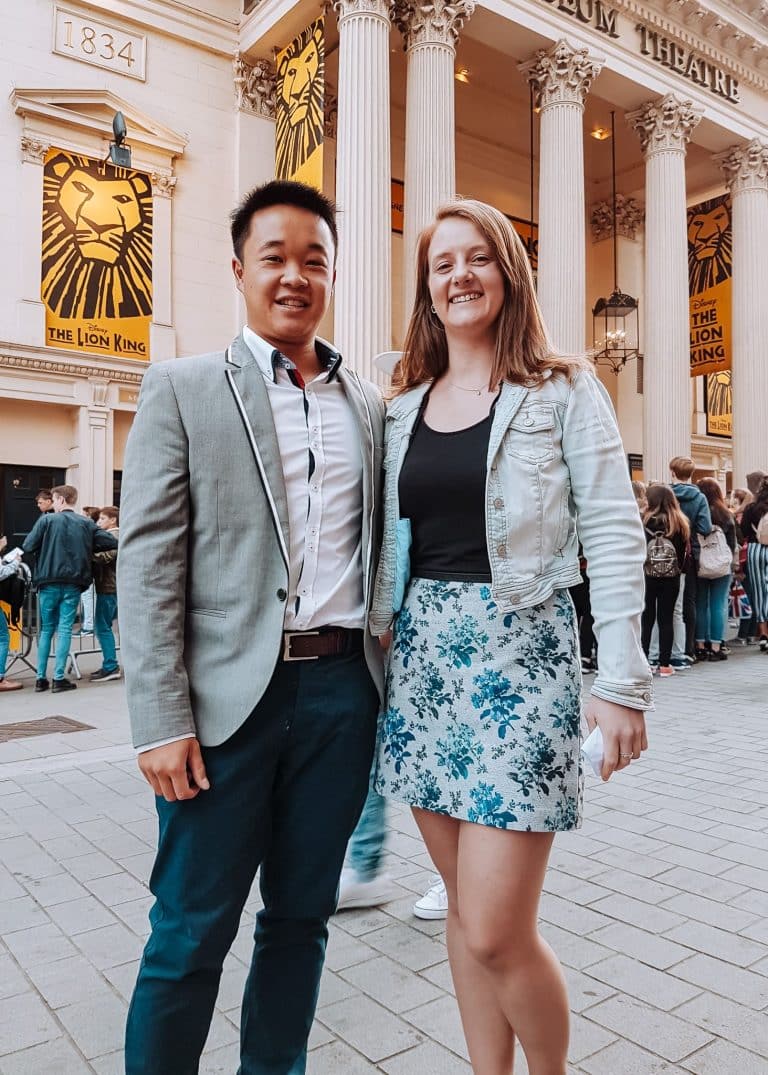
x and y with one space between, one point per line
761 530
13 591
716 558
661 560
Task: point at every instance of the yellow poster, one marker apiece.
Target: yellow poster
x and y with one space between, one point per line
300 105
97 256
14 632
718 404
709 285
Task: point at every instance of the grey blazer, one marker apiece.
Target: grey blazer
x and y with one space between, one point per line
204 543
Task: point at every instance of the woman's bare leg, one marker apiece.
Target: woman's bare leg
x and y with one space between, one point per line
500 875
490 1038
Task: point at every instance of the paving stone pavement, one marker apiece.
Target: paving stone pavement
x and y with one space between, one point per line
657 907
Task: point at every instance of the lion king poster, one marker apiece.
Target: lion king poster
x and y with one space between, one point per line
300 104
96 256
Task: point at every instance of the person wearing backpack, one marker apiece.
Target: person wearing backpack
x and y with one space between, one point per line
667 531
6 571
693 505
754 527
715 572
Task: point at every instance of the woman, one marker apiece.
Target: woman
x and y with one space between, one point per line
668 533
495 446
712 594
757 561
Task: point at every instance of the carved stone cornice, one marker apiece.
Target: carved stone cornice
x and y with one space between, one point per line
331 111
33 150
629 218
163 184
347 8
562 74
255 87
745 167
69 369
664 125
433 22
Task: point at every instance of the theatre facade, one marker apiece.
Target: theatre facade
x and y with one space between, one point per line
626 140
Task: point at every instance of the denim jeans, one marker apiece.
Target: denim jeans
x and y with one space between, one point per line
286 792
106 610
58 608
5 641
87 598
367 842
711 608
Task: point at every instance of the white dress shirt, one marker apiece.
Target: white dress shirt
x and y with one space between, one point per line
322 460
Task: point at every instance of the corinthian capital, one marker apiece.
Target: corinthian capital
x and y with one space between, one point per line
665 124
345 8
424 22
746 167
33 150
562 74
629 218
255 87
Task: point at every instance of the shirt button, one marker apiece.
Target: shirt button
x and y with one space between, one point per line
498 502
502 551
281 594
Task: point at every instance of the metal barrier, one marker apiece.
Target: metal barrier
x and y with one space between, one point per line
26 631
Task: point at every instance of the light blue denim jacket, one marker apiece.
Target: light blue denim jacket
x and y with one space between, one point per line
555 463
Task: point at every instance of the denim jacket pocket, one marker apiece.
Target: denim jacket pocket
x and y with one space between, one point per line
530 436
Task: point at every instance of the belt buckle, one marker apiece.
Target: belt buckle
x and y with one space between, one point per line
287 636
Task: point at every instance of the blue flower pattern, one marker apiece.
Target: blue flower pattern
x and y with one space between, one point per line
483 709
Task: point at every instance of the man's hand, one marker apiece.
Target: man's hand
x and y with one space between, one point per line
176 770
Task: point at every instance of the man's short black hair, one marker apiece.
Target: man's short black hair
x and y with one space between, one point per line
280 192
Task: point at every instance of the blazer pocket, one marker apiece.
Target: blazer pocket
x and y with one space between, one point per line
207 612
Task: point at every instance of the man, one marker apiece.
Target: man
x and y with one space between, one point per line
63 545
695 507
105 583
249 518
44 501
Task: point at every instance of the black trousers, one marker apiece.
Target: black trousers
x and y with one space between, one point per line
660 597
580 596
689 608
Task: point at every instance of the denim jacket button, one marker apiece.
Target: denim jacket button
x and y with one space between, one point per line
514 599
528 422
646 696
502 551
498 502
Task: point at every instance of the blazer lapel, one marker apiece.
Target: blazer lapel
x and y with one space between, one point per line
249 393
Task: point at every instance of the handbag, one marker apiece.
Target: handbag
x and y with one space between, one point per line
715 557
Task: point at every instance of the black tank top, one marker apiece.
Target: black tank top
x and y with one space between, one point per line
442 492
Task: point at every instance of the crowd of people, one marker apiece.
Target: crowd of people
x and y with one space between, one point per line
73 560
706 566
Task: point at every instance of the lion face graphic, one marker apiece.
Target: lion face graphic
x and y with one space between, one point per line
97 239
709 245
300 80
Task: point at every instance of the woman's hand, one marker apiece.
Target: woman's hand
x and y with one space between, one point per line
385 641
623 731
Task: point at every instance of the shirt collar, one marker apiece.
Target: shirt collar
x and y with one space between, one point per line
269 359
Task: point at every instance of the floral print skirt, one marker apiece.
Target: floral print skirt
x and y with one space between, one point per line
483 709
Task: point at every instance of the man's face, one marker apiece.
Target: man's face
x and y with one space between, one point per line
286 274
44 504
59 503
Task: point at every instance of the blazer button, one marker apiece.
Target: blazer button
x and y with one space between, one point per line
498 502
502 551
281 594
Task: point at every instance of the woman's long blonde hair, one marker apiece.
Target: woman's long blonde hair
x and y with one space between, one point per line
523 350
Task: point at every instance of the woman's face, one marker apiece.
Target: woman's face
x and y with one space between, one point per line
465 279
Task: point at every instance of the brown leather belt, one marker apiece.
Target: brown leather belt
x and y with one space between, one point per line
324 642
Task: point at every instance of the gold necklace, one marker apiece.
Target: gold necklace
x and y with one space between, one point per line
474 391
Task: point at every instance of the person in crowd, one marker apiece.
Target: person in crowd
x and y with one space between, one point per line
496 449
668 533
756 576
737 501
755 480
44 501
105 584
694 506
6 571
638 488
63 545
712 593
248 541
88 597
584 619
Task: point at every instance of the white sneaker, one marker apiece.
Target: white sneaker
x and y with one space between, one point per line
356 893
433 904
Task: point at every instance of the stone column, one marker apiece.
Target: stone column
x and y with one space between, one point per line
430 29
746 171
91 466
30 313
363 317
162 335
664 128
561 78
